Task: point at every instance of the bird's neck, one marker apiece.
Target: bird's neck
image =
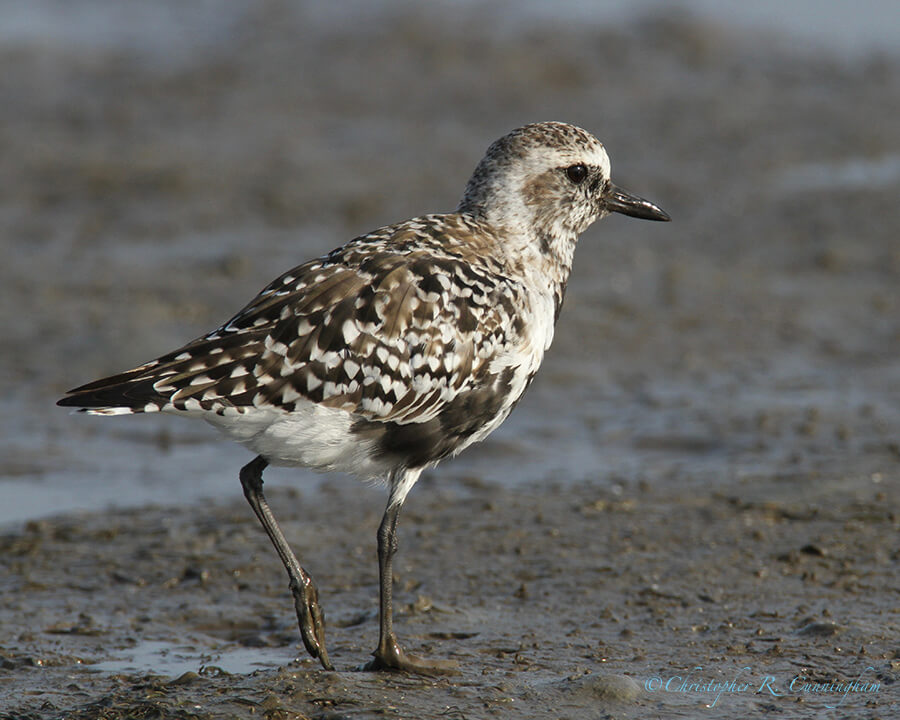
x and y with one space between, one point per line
539 245
553 264
539 257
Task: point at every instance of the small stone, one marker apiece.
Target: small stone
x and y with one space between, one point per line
822 629
185 678
610 688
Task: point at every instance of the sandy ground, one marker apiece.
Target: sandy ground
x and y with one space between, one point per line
702 483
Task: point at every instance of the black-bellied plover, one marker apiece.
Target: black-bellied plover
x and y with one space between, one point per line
395 351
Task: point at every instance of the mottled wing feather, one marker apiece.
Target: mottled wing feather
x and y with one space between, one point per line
392 327
368 341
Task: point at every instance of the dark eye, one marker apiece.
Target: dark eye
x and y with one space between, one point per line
576 173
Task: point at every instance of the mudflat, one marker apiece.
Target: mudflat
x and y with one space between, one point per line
694 511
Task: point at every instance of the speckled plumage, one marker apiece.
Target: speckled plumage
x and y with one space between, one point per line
405 345
412 332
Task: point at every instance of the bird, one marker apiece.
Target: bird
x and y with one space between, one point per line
395 351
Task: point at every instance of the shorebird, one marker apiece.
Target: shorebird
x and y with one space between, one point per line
394 351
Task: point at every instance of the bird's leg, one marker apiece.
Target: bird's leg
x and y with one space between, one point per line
306 596
389 655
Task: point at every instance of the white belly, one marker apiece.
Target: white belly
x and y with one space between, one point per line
311 436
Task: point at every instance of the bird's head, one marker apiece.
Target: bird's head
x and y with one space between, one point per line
548 179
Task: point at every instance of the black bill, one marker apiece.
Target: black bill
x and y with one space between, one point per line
617 200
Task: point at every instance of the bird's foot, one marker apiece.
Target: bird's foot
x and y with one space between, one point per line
311 620
391 657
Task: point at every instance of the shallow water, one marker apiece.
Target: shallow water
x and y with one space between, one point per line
161 657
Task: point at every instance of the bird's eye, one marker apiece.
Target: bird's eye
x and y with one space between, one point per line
577 173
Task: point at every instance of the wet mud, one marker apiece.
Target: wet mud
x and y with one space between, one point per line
560 601
694 512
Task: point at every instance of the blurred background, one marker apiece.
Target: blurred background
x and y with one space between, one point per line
161 162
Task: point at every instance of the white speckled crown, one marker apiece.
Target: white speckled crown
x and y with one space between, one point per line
517 182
